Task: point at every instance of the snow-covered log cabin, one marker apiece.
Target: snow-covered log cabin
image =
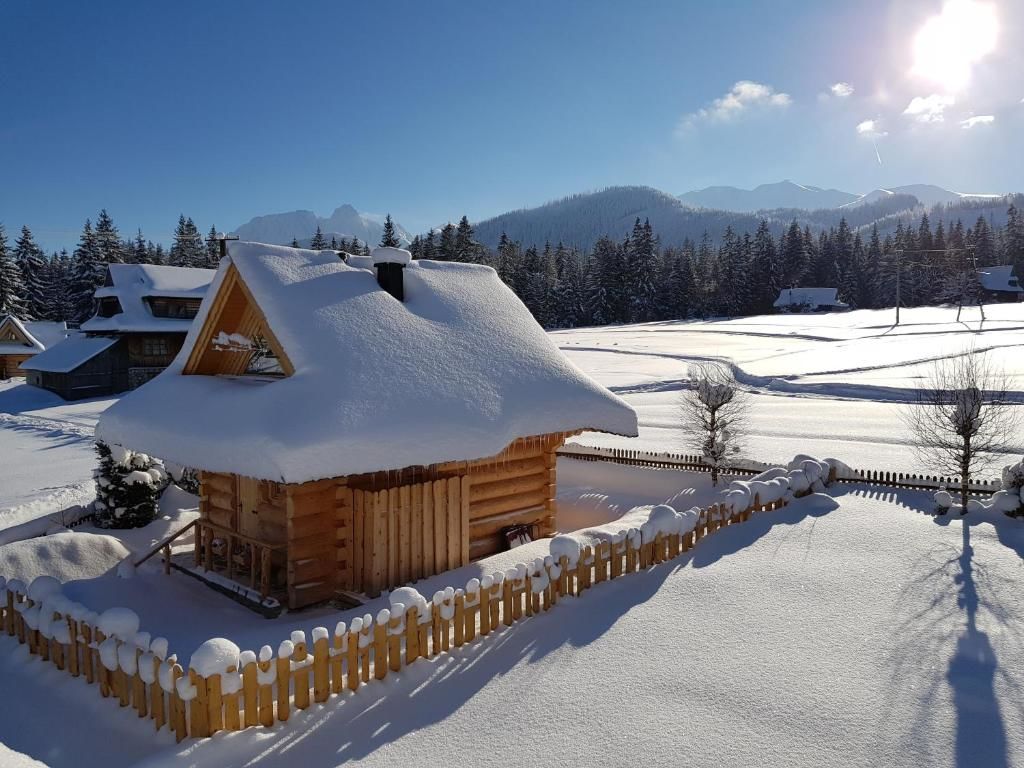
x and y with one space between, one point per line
21 340
360 425
143 312
1000 284
809 300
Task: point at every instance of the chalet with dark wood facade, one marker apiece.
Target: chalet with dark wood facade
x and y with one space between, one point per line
361 425
143 312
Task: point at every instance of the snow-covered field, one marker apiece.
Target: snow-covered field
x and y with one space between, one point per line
853 630
829 385
846 631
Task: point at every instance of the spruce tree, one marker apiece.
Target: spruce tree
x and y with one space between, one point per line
446 248
212 249
107 240
12 291
388 238
31 263
140 251
793 256
319 242
87 275
128 487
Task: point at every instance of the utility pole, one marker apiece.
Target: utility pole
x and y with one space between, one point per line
899 256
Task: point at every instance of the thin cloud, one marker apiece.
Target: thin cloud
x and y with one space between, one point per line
970 122
841 90
929 109
745 96
870 128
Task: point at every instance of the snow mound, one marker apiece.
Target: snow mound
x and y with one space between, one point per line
42 587
214 657
1008 500
122 623
408 596
65 556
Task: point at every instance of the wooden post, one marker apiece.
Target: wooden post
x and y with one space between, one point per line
9 615
412 636
460 617
365 644
215 702
178 721
87 654
301 674
352 660
199 707
495 602
380 645
485 607
72 655
232 720
139 697
250 694
395 630
283 678
156 697
321 667
337 657
266 688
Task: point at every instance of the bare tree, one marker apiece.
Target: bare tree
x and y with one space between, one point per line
962 418
714 414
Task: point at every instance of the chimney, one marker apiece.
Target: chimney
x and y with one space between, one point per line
389 263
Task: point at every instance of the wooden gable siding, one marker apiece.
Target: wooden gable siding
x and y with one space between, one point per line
233 310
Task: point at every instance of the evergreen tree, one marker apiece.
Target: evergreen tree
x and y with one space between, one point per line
446 248
466 249
388 238
140 250
606 290
87 275
793 256
12 291
31 263
128 487
764 277
212 249
319 242
188 248
295 242
109 248
429 247
59 276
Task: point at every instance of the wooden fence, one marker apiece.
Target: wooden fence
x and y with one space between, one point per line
264 689
694 463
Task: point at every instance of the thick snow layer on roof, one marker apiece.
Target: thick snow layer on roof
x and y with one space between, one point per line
69 354
999 279
40 335
133 283
457 371
811 297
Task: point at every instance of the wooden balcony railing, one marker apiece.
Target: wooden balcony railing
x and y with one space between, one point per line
239 557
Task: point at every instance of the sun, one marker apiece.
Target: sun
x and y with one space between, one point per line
949 44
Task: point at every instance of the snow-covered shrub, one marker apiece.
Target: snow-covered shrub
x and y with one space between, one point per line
128 487
1013 486
185 478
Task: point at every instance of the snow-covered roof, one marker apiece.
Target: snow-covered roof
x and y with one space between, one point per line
131 284
40 335
809 297
999 279
70 353
457 371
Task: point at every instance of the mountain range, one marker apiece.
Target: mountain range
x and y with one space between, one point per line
788 194
345 222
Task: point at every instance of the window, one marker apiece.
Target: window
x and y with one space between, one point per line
108 307
185 309
155 347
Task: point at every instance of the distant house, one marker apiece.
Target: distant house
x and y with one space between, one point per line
21 340
143 313
1000 284
361 425
809 300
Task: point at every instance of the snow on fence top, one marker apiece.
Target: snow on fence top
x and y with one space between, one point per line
457 371
132 284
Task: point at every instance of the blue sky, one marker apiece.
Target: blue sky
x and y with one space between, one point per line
226 110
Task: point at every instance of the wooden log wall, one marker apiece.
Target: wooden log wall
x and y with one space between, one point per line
312 541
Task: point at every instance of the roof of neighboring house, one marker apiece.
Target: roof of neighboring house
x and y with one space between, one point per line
132 284
810 297
456 372
70 353
38 334
999 278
